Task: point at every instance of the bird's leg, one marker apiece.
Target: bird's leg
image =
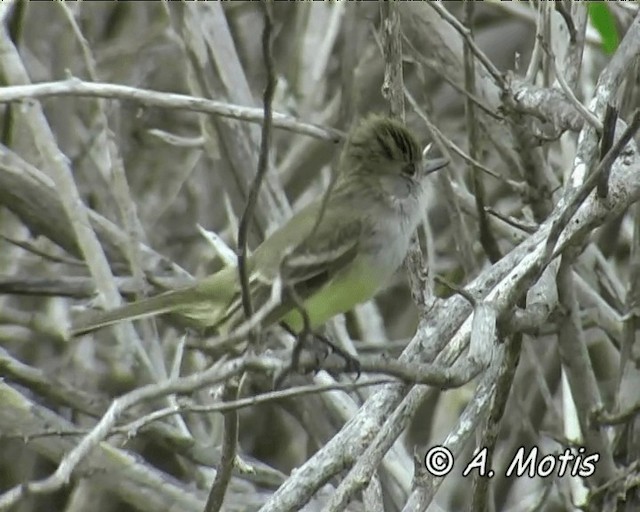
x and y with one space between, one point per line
306 334
301 337
352 365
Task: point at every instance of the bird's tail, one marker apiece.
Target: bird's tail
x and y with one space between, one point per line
167 302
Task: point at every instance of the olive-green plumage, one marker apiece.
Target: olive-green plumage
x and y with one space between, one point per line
333 264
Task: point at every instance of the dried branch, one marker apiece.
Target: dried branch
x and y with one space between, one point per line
76 87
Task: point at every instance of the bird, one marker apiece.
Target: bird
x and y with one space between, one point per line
333 254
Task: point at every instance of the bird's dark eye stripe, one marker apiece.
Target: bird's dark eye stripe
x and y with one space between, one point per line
384 146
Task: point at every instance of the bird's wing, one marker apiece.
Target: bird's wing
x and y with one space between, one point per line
329 248
305 256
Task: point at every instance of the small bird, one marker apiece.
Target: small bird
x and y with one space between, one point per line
334 253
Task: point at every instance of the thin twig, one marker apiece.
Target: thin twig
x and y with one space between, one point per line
464 32
231 389
29 247
534 61
432 64
263 162
229 450
455 148
242 403
487 238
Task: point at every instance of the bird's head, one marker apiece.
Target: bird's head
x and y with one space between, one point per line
383 149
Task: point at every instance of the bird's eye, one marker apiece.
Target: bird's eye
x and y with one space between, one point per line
409 169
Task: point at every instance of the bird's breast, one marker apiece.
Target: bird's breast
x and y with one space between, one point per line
388 245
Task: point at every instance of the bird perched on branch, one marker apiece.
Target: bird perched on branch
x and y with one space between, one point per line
332 255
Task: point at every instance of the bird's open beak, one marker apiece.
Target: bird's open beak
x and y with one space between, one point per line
434 164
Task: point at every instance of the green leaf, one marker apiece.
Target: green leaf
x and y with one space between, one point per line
602 19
